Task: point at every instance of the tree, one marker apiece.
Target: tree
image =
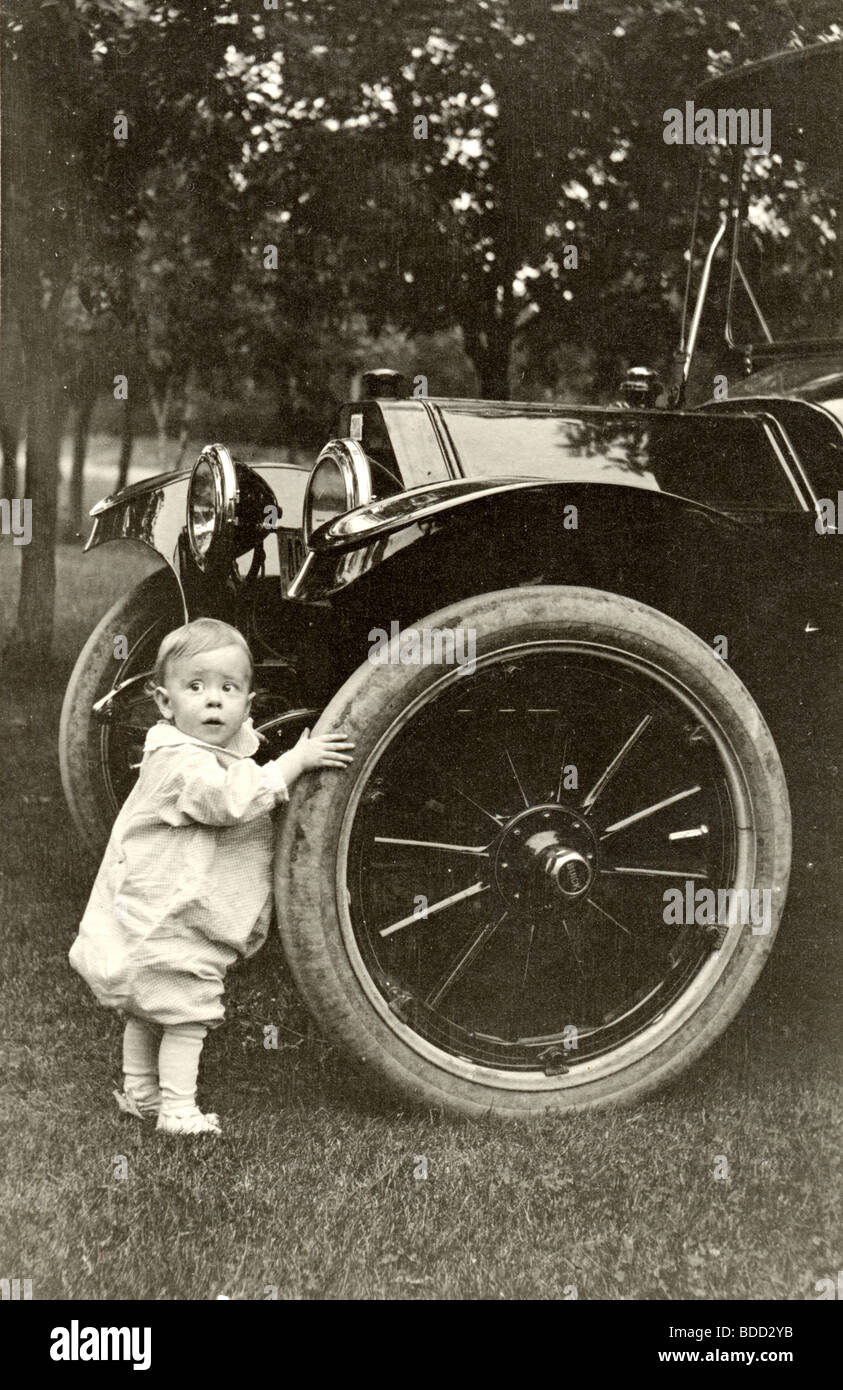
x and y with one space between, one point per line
422 167
473 142
98 94
42 54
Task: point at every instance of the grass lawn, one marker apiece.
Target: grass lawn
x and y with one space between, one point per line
312 1189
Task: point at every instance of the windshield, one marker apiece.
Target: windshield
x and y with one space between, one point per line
787 274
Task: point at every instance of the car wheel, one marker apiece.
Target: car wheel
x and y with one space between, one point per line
98 759
515 900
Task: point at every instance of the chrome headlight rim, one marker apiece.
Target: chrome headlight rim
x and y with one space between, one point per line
356 473
219 549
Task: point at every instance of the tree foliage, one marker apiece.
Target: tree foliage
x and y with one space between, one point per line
418 169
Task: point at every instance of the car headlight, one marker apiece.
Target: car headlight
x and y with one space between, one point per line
212 507
341 480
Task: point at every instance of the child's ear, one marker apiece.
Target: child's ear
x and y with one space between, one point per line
249 703
162 700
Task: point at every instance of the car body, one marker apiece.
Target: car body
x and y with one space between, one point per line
479 476
678 556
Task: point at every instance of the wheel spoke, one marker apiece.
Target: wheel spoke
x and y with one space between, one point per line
437 907
126 694
462 962
442 776
693 834
573 948
647 811
636 943
517 778
652 873
604 779
498 820
591 902
528 955
432 844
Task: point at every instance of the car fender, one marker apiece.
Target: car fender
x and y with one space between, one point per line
439 528
153 513
717 573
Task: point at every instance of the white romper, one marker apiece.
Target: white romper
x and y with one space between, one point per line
185 885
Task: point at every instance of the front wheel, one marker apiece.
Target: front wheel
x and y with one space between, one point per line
553 872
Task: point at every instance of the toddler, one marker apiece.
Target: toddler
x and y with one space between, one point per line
185 886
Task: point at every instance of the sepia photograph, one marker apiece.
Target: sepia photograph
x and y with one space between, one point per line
421 642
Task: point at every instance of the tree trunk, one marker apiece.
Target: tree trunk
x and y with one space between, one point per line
490 351
492 316
188 417
184 437
161 410
11 420
494 372
32 638
126 440
81 431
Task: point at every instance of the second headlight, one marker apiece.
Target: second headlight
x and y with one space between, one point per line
212 507
341 480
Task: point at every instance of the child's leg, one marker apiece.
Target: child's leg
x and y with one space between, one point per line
178 1068
140 1063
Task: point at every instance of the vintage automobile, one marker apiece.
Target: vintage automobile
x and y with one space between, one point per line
560 637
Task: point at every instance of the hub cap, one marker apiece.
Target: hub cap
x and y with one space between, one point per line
545 856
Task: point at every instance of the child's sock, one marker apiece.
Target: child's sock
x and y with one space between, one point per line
140 1060
178 1066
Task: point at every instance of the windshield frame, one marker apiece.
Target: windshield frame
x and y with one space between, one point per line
795 85
764 347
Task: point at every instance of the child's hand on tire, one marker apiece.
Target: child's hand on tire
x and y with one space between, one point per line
323 750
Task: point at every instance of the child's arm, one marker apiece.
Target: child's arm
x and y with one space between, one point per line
321 750
213 795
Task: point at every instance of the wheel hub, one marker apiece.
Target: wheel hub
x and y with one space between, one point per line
545 859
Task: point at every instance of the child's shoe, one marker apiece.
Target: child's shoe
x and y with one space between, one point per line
190 1121
140 1108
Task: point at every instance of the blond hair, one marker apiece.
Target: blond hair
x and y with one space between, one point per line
202 635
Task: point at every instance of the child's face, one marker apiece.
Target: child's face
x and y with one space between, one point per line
207 695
